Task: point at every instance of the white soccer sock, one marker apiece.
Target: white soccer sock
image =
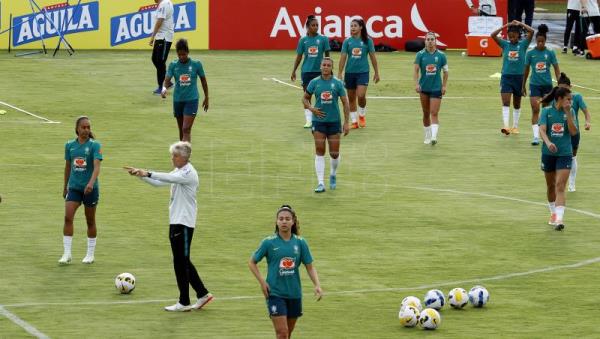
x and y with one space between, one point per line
427 131
573 174
67 240
536 131
354 117
362 111
434 131
320 168
334 165
560 213
552 207
91 246
308 115
516 115
505 115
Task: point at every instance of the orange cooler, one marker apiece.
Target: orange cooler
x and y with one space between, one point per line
482 45
593 44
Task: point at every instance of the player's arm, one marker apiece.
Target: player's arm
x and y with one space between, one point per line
444 78
547 141
159 22
296 64
375 66
494 34
312 273
525 76
252 265
308 106
90 185
417 69
343 57
570 121
528 28
67 175
205 90
556 70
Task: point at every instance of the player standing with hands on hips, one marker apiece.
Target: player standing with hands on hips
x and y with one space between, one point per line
182 219
161 39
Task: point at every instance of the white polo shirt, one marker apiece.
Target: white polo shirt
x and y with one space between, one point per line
166 30
574 5
184 184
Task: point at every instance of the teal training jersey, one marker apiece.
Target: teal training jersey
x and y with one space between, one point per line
557 131
81 157
431 65
513 56
313 48
283 261
327 93
578 104
540 63
186 79
357 52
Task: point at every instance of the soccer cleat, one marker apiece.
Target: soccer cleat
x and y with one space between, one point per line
535 141
202 301
514 130
559 226
332 182
362 121
89 259
433 142
564 50
552 220
178 308
427 141
571 187
157 91
308 124
320 188
505 130
65 259
354 125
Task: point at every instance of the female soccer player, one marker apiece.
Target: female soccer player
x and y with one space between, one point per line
513 65
285 251
539 60
578 104
185 96
356 79
82 168
182 219
430 62
557 126
326 120
313 46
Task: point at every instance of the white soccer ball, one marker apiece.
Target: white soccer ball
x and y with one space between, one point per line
409 316
411 301
125 283
430 319
434 299
458 297
479 296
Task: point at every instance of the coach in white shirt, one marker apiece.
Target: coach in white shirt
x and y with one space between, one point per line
182 219
162 38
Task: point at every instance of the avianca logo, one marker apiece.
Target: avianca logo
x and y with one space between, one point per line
326 96
558 128
139 25
540 67
513 55
431 68
313 50
55 18
357 52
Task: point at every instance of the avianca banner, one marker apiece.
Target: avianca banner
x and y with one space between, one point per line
278 24
99 24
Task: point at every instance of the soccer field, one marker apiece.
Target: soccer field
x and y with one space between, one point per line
406 217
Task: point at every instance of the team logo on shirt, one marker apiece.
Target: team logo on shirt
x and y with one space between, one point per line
313 51
558 130
356 52
185 80
431 69
79 164
513 55
287 266
540 67
326 97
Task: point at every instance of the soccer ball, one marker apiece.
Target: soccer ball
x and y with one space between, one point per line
434 299
479 296
409 316
411 301
458 297
125 283
430 319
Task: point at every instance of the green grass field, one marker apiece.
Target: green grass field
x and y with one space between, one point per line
406 217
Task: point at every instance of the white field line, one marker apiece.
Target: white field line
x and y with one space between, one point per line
22 323
29 113
578 86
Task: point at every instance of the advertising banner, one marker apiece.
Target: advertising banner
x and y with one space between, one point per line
278 24
99 24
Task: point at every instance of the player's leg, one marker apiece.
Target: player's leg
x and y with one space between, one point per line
320 136
517 95
72 202
434 109
157 60
535 116
562 175
426 117
505 97
551 195
353 108
294 311
334 153
189 114
178 108
574 164
361 96
178 248
90 202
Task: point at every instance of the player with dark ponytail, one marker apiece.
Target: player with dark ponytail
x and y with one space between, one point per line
539 61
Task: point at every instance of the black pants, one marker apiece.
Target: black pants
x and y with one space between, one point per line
160 54
185 272
585 22
526 6
572 18
512 10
